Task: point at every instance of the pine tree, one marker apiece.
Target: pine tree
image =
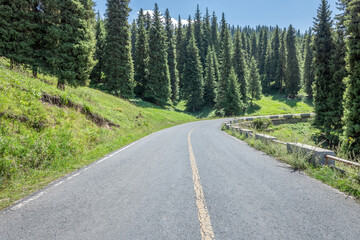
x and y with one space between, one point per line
308 66
262 53
147 21
276 70
189 32
16 25
244 42
323 52
282 69
253 48
263 44
171 53
193 76
338 68
141 58
133 38
233 102
352 93
68 42
118 63
224 31
254 81
210 82
158 88
180 52
225 64
206 32
292 74
97 74
199 34
217 74
215 34
239 66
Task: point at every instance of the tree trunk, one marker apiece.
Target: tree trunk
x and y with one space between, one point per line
61 85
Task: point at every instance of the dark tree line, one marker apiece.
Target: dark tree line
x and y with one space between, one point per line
54 36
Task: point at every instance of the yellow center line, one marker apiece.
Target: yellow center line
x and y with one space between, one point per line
203 214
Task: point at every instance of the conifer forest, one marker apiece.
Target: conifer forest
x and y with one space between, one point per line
205 62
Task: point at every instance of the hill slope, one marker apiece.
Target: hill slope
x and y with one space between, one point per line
46 133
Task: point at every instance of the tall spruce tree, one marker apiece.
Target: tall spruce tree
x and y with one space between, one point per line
69 40
141 58
352 93
282 70
239 66
180 52
216 68
254 45
206 32
263 45
262 53
118 63
133 37
97 74
224 31
148 21
225 64
324 89
199 34
193 76
338 65
268 71
17 22
308 76
292 74
158 88
210 81
275 60
233 104
244 42
189 32
254 81
215 34
171 53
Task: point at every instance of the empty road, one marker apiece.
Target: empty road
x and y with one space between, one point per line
187 182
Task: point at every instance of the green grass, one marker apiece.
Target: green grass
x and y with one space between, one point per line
40 142
348 182
278 104
302 132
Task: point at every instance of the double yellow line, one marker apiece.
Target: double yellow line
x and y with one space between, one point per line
203 214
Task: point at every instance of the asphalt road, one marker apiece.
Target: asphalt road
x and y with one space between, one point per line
167 187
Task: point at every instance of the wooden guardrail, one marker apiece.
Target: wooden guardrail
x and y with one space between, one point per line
342 160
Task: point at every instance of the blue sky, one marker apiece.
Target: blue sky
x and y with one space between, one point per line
300 13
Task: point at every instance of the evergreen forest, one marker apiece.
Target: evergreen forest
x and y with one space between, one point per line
207 62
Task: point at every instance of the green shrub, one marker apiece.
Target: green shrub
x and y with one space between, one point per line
261 123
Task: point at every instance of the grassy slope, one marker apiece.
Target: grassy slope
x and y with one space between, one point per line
276 104
31 157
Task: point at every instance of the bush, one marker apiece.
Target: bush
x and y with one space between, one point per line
261 123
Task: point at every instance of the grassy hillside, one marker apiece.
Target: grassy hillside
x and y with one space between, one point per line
46 133
277 104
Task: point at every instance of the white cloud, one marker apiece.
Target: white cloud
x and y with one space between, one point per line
173 20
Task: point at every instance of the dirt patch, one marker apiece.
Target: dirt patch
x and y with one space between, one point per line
62 102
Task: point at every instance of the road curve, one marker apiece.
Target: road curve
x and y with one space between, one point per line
152 190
